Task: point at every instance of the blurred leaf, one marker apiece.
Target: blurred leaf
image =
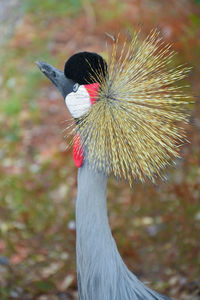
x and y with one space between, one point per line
51 6
12 106
3 293
195 19
12 134
44 286
197 2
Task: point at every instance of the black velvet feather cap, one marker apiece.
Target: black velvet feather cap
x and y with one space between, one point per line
85 67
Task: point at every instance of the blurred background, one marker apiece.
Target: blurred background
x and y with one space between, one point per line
157 229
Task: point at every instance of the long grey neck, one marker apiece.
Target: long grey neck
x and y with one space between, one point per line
102 275
95 245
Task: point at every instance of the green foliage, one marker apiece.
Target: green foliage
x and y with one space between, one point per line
52 7
4 293
195 20
12 106
197 2
11 133
44 286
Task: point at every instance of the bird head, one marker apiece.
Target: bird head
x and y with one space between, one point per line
78 82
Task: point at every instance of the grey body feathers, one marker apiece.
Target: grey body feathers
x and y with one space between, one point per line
102 274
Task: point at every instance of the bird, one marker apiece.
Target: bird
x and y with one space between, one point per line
126 113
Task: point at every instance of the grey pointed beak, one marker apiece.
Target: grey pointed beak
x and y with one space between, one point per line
48 70
57 77
40 65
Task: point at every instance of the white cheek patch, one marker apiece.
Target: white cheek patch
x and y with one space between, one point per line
78 103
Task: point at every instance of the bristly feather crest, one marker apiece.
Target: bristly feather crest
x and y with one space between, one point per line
133 130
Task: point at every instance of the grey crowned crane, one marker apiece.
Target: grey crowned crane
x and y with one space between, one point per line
127 113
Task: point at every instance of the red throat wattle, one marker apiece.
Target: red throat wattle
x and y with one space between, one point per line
78 154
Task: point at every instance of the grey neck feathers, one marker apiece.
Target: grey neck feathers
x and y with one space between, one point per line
102 275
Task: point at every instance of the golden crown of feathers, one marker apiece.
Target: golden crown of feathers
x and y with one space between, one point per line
134 129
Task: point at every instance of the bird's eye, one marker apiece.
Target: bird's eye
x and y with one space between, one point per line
75 87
